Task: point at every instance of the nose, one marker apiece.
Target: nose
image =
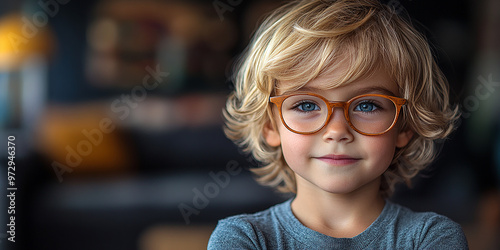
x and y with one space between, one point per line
337 129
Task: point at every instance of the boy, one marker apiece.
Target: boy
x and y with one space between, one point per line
339 100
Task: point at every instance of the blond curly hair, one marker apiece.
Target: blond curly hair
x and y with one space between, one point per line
303 40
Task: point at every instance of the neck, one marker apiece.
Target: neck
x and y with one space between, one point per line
337 215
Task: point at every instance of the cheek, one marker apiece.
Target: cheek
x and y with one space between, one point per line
381 149
295 146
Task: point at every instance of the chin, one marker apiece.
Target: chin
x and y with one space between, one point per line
346 187
338 188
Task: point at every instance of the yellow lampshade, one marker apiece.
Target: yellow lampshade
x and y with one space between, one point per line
20 38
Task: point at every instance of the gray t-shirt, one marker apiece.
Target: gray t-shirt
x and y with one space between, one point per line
397 227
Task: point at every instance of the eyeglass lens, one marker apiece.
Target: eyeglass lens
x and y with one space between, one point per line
368 114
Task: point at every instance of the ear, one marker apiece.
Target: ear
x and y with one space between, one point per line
271 134
404 137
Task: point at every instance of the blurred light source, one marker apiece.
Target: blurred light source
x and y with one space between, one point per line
16 46
82 138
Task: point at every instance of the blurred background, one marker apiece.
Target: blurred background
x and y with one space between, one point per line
115 106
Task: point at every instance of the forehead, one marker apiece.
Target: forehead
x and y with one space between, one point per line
377 81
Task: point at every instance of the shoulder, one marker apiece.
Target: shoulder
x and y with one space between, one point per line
245 231
428 229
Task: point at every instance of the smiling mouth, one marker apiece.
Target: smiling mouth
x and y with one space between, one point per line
338 160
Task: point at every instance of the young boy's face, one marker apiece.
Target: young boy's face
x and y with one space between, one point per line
338 159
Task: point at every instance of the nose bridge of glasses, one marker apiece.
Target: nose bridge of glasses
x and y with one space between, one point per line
333 105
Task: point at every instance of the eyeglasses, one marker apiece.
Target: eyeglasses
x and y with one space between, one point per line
308 113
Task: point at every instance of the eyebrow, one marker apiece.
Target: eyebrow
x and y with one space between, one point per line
366 90
303 89
374 89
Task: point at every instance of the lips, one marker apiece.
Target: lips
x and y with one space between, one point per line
338 160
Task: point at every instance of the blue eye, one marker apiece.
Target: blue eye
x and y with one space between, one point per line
366 107
307 107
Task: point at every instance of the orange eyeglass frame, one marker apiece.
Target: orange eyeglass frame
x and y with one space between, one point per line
398 102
